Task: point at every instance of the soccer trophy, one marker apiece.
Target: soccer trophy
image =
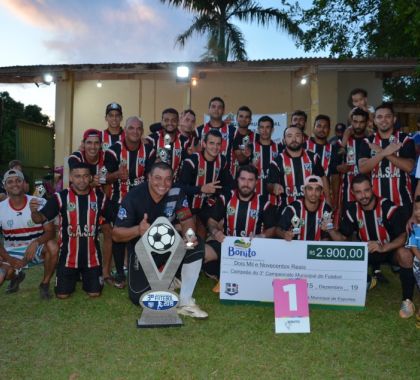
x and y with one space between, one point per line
159 303
39 190
190 236
351 157
167 141
326 217
102 175
295 224
245 143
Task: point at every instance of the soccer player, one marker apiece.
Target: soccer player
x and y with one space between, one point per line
186 128
79 207
243 140
381 224
92 154
204 176
300 118
327 153
289 169
172 151
158 198
216 111
264 151
301 220
114 131
245 213
127 163
25 240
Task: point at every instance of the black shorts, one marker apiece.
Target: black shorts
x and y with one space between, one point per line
381 258
66 279
111 211
216 246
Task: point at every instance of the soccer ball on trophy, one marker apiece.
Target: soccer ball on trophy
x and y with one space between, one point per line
161 237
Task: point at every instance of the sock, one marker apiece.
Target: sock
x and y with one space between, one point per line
212 268
189 277
118 251
407 283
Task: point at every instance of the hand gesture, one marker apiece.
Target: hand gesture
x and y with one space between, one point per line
375 246
34 204
144 225
376 148
95 181
278 189
211 187
288 235
123 172
391 149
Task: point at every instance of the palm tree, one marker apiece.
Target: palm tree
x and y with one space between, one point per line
225 39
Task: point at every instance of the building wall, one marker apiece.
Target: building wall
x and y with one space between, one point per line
82 105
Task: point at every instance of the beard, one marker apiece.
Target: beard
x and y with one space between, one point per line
295 148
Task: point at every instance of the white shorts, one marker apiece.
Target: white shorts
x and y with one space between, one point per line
19 253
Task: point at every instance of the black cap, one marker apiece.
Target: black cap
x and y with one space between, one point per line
113 107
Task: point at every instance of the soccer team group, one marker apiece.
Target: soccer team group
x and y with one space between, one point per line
218 180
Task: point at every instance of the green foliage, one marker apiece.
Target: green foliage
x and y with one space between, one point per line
11 111
215 20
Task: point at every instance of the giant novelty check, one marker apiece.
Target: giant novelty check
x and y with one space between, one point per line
336 272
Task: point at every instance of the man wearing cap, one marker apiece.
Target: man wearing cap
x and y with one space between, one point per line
127 163
339 130
301 220
25 241
91 154
114 132
289 169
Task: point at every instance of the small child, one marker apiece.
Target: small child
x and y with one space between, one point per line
413 244
358 99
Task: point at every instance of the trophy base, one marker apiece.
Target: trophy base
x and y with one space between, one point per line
153 319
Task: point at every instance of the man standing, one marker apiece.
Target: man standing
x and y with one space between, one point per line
290 168
187 131
114 132
300 118
381 224
127 163
204 176
301 220
159 198
167 141
25 240
79 207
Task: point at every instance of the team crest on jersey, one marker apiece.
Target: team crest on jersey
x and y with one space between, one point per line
287 170
169 211
275 154
10 223
71 206
177 152
93 206
122 213
257 156
253 214
380 221
185 203
105 146
307 166
30 223
302 223
216 171
224 136
141 161
201 172
230 211
328 155
360 223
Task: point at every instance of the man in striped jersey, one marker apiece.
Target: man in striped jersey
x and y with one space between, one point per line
25 241
79 208
381 224
114 132
302 219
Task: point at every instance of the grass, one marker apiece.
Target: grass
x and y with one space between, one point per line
80 338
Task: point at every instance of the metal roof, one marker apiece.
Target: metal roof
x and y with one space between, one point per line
34 73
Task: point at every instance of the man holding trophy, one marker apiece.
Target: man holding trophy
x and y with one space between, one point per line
159 198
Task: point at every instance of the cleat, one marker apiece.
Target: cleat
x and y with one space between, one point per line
44 291
407 309
175 284
371 282
14 284
216 288
192 310
380 277
119 281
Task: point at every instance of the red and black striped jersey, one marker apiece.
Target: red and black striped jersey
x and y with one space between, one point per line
309 221
240 142
16 224
388 180
327 153
79 156
108 139
197 171
290 173
138 164
78 226
383 223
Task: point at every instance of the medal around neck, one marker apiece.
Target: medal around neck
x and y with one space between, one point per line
159 304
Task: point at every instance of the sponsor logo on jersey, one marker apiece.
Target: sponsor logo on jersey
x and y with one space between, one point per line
93 206
287 170
71 206
10 223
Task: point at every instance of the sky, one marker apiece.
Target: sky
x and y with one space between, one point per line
37 32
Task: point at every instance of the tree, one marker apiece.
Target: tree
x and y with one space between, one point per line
365 28
11 111
214 18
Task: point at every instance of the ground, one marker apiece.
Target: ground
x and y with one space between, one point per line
80 338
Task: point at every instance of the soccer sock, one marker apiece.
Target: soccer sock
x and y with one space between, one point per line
118 250
189 277
407 283
212 268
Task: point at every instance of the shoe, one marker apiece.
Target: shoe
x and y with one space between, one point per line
175 284
14 284
371 282
407 309
216 288
109 280
44 291
380 277
192 310
119 281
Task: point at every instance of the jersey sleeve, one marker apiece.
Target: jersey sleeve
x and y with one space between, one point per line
111 162
285 221
182 208
51 208
347 224
408 149
269 215
364 150
128 215
318 169
273 173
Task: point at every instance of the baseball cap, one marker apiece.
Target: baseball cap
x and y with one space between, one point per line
340 127
113 107
92 133
313 179
13 173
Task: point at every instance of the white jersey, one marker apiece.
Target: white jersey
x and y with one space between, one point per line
17 225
